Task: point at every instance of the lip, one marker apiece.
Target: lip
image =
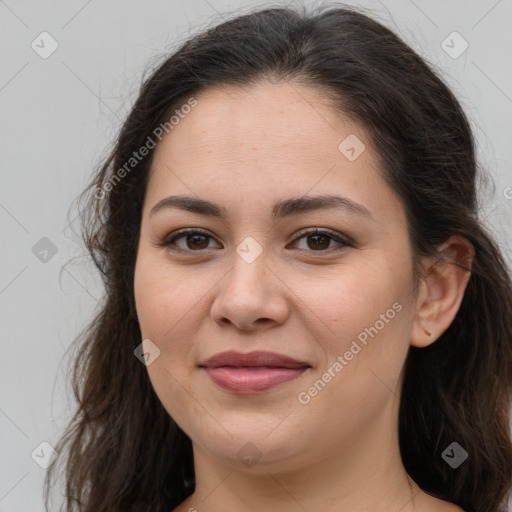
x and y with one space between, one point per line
255 359
252 372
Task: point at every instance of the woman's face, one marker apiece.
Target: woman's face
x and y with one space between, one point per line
254 170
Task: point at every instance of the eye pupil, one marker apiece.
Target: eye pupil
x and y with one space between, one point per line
197 239
318 241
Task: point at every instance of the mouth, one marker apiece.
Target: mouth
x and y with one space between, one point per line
253 372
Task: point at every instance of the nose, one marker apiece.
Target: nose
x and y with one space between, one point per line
250 297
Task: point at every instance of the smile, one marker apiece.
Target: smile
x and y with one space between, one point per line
253 372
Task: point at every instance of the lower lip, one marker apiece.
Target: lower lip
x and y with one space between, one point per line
251 380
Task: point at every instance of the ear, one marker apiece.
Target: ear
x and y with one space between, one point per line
441 290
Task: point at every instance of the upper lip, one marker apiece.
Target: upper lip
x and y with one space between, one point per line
252 359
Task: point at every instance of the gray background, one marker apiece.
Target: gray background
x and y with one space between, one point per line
58 116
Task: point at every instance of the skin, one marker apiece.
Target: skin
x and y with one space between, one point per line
245 150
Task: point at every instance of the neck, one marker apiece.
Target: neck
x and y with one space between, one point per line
365 474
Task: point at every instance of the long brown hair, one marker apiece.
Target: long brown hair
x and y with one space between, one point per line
122 451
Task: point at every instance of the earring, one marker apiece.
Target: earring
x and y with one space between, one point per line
428 333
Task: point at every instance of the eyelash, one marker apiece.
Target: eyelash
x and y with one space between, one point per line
342 241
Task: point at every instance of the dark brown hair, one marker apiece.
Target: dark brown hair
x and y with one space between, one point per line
122 451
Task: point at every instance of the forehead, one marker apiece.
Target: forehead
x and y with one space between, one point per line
269 139
261 117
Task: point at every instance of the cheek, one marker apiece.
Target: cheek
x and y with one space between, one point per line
362 316
347 301
368 316
165 308
163 298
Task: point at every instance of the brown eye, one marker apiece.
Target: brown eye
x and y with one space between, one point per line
196 241
189 240
321 241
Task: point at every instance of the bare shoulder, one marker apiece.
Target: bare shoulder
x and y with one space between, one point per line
448 507
453 508
444 506
429 503
184 506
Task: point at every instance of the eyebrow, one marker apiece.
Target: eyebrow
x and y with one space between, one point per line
284 208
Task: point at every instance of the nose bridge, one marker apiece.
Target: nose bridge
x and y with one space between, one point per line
249 293
249 273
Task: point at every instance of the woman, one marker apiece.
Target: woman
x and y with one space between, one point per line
303 310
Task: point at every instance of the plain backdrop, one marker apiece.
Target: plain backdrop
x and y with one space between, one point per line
61 111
